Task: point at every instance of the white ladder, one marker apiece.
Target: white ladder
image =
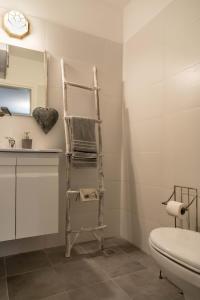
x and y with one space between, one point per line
97 231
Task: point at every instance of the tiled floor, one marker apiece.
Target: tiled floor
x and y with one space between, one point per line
121 272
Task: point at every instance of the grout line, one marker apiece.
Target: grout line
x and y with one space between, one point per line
7 288
5 266
88 286
117 285
51 264
57 294
6 281
27 272
5 277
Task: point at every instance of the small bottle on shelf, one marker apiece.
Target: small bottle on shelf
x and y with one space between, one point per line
26 141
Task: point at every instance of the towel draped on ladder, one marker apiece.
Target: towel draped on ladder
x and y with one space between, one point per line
82 142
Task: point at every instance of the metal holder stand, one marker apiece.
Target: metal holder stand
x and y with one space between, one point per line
191 197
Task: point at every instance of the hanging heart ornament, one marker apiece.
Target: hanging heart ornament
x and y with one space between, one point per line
45 117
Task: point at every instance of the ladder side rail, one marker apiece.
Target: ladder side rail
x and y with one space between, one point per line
79 86
100 157
65 106
97 103
68 227
68 163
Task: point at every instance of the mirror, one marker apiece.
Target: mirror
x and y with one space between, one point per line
23 79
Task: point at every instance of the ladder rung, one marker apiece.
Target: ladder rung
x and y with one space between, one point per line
89 229
80 86
70 153
73 192
96 120
78 191
93 228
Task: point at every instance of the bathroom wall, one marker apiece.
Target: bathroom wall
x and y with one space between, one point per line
161 110
81 51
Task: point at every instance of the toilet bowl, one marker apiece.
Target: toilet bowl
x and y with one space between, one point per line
177 252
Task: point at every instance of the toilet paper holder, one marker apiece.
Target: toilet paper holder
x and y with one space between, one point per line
191 198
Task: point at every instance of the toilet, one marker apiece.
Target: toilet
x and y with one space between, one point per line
177 252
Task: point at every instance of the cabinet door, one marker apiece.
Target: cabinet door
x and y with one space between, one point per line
7 199
36 197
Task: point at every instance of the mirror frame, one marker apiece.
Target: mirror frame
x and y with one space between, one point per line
45 63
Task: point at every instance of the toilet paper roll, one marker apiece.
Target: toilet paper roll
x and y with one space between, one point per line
176 209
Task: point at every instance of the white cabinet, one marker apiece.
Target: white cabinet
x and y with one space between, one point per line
37 197
7 199
28 195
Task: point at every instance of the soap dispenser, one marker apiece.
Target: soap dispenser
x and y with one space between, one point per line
26 141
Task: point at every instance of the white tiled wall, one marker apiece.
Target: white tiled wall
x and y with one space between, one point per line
81 52
161 112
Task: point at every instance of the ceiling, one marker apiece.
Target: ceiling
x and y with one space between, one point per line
101 18
118 3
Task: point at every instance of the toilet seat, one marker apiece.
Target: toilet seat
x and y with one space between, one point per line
179 245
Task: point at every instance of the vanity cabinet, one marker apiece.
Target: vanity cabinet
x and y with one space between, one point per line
7 199
36 196
29 195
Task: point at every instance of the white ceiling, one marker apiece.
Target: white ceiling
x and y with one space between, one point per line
102 18
117 3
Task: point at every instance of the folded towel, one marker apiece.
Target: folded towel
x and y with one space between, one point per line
82 133
82 142
84 155
84 160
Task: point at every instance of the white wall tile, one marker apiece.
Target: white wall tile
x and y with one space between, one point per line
145 102
160 119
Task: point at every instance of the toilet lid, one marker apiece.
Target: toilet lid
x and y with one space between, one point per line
180 245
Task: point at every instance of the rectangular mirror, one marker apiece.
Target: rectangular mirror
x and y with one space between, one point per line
23 79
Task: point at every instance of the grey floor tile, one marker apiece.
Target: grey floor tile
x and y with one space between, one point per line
132 283
34 285
76 274
143 258
48 275
121 243
145 284
118 264
91 247
56 255
26 262
115 244
103 291
3 289
2 267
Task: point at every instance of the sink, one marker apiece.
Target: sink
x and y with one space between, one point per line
30 150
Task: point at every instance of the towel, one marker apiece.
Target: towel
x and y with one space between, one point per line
82 142
3 61
83 159
82 133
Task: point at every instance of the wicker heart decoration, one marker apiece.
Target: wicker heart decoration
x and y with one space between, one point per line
45 117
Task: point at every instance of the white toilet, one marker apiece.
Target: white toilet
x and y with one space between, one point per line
177 252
